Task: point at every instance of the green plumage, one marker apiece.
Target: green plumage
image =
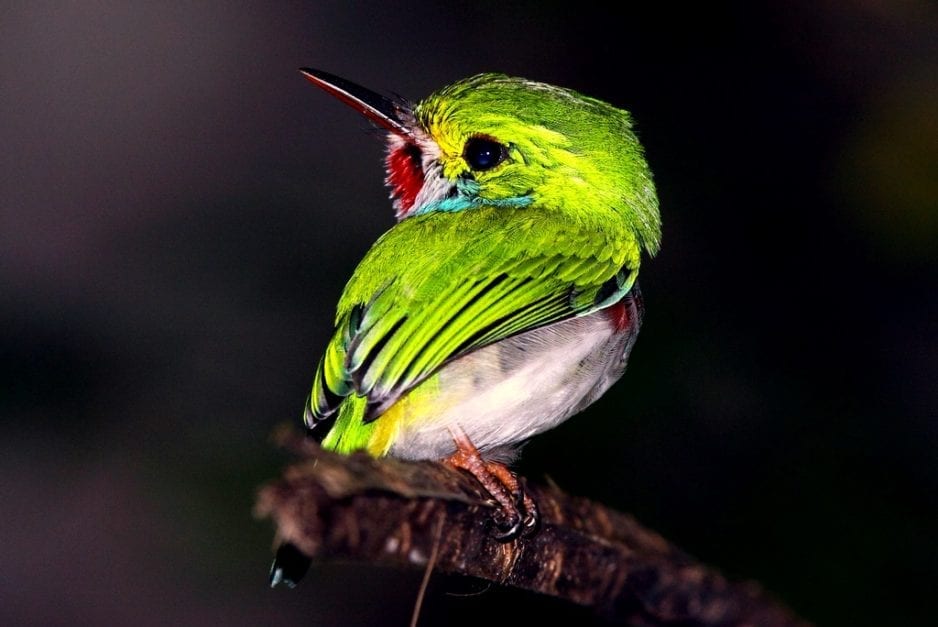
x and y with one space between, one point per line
554 232
478 280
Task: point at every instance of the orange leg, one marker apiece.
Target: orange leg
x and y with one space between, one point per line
517 510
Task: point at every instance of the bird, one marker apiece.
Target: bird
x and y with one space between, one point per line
504 299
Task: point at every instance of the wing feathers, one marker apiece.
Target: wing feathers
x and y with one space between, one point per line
478 281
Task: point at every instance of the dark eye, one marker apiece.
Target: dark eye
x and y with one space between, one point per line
482 153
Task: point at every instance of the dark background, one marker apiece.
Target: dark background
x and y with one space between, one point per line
180 210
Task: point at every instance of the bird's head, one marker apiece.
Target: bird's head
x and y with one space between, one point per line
495 140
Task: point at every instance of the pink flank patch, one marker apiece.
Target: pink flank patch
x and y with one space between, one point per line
619 315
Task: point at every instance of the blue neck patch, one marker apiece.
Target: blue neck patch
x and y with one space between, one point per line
462 201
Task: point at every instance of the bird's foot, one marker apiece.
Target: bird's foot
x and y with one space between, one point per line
517 512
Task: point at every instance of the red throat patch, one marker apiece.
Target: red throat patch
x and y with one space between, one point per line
405 176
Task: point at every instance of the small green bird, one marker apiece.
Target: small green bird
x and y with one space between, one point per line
505 299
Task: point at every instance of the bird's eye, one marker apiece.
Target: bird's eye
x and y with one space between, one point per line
484 153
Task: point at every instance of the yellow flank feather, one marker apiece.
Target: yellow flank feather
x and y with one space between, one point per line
400 414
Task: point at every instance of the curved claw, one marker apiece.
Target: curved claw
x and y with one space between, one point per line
510 528
532 517
524 521
516 512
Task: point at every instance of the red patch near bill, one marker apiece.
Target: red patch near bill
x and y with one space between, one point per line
405 175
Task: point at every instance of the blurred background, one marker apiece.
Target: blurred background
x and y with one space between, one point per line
179 211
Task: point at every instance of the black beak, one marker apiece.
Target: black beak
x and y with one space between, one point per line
381 110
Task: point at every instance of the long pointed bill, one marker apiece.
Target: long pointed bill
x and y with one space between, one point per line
381 110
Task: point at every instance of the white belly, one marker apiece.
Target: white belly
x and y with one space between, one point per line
503 394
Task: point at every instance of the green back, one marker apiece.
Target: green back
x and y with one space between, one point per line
555 231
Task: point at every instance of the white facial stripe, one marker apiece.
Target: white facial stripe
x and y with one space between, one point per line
435 186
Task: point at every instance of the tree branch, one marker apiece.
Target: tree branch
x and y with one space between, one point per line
391 511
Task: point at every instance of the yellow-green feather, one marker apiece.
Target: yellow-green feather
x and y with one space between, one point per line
440 306
539 240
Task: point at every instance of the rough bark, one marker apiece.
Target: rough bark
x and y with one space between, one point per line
391 511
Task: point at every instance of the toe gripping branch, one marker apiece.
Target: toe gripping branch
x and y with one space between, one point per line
517 512
354 507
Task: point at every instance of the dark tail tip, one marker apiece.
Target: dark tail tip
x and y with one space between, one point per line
290 565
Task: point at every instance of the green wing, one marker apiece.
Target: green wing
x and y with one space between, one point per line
437 286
